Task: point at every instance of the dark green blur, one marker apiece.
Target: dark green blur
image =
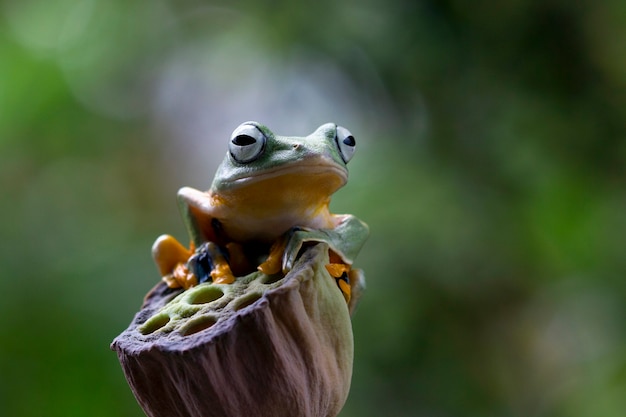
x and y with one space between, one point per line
491 169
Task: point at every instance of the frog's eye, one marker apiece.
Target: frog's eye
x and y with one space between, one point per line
246 143
345 143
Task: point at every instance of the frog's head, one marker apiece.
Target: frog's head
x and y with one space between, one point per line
306 169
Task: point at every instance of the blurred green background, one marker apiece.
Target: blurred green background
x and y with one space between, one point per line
491 170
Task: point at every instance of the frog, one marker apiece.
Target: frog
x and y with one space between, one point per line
268 201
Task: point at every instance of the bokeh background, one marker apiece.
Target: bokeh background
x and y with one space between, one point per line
491 170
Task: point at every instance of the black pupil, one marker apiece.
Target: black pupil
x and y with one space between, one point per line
349 141
243 140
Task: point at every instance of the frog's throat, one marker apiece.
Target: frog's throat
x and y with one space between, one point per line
310 166
302 194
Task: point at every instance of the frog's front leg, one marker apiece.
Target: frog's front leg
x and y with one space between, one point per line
273 264
182 267
205 230
197 209
345 240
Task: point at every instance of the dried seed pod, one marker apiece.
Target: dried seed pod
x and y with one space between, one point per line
262 346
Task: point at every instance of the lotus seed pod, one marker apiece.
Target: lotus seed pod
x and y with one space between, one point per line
262 346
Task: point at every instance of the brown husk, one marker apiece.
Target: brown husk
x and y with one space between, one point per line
288 354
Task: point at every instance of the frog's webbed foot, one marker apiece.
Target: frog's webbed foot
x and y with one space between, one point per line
295 241
288 247
273 264
345 277
182 267
345 240
209 262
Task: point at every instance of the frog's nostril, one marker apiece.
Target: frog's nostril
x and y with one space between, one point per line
296 146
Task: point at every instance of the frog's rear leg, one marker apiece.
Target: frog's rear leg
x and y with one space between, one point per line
171 258
168 253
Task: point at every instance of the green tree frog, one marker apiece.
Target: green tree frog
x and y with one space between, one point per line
268 200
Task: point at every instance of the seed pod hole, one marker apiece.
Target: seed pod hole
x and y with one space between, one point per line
198 324
246 300
270 279
154 323
205 295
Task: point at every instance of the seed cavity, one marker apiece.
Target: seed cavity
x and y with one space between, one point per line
246 300
205 295
154 323
198 324
270 279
